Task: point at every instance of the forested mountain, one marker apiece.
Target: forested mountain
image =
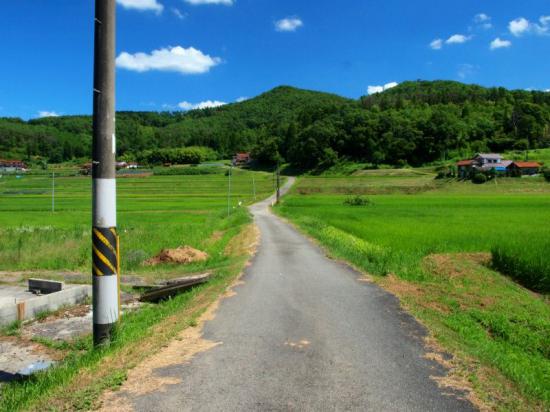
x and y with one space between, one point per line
414 123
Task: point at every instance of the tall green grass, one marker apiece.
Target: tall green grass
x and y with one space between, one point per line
154 212
473 310
528 264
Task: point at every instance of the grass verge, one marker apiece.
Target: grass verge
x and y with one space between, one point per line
498 331
77 382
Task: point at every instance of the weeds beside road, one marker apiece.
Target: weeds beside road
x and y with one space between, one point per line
432 249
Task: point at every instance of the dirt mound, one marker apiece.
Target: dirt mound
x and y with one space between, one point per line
455 265
182 255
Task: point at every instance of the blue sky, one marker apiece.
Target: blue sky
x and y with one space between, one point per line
182 54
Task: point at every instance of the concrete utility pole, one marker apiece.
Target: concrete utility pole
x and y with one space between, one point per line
278 182
53 191
105 268
254 186
229 192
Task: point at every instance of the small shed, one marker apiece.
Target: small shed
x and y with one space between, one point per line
241 159
524 168
464 168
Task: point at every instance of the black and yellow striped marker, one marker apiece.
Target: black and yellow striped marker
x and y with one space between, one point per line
105 251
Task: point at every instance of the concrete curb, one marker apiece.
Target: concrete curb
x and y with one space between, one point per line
29 308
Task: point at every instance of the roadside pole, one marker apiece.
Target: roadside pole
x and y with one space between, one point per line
229 192
278 182
254 186
53 191
105 249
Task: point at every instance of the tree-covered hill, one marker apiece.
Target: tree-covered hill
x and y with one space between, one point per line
414 123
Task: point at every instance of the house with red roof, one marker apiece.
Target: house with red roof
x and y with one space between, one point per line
524 168
12 166
494 163
241 159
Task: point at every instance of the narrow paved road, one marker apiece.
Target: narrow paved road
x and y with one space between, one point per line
304 334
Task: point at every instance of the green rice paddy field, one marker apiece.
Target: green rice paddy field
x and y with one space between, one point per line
154 212
430 243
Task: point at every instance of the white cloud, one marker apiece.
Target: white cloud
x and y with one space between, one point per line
46 113
242 99
466 70
458 39
519 26
176 12
289 24
544 26
171 59
437 44
481 18
142 5
199 2
202 105
498 43
547 90
380 89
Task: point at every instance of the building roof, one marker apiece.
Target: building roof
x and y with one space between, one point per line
465 163
527 165
498 166
489 155
13 163
242 156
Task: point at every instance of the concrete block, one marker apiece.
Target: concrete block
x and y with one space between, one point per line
29 308
45 286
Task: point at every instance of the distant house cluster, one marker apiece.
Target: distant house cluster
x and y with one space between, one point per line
242 159
126 165
86 168
494 163
12 166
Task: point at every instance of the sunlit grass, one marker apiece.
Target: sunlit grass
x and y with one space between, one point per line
472 310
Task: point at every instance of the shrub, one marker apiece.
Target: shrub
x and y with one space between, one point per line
357 201
479 178
186 171
182 155
445 171
546 174
530 267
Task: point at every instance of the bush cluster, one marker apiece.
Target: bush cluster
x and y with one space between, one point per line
357 201
180 156
528 267
546 174
479 178
186 171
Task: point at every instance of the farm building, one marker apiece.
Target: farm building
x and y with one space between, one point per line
12 166
484 162
86 169
483 159
465 168
241 159
524 168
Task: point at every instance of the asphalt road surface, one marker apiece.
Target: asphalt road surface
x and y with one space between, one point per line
304 333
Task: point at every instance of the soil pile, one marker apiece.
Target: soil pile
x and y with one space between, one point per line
182 255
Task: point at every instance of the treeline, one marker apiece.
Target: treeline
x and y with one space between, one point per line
185 155
414 123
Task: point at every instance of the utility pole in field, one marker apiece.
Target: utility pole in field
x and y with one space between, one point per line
229 192
105 244
254 186
278 181
53 191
